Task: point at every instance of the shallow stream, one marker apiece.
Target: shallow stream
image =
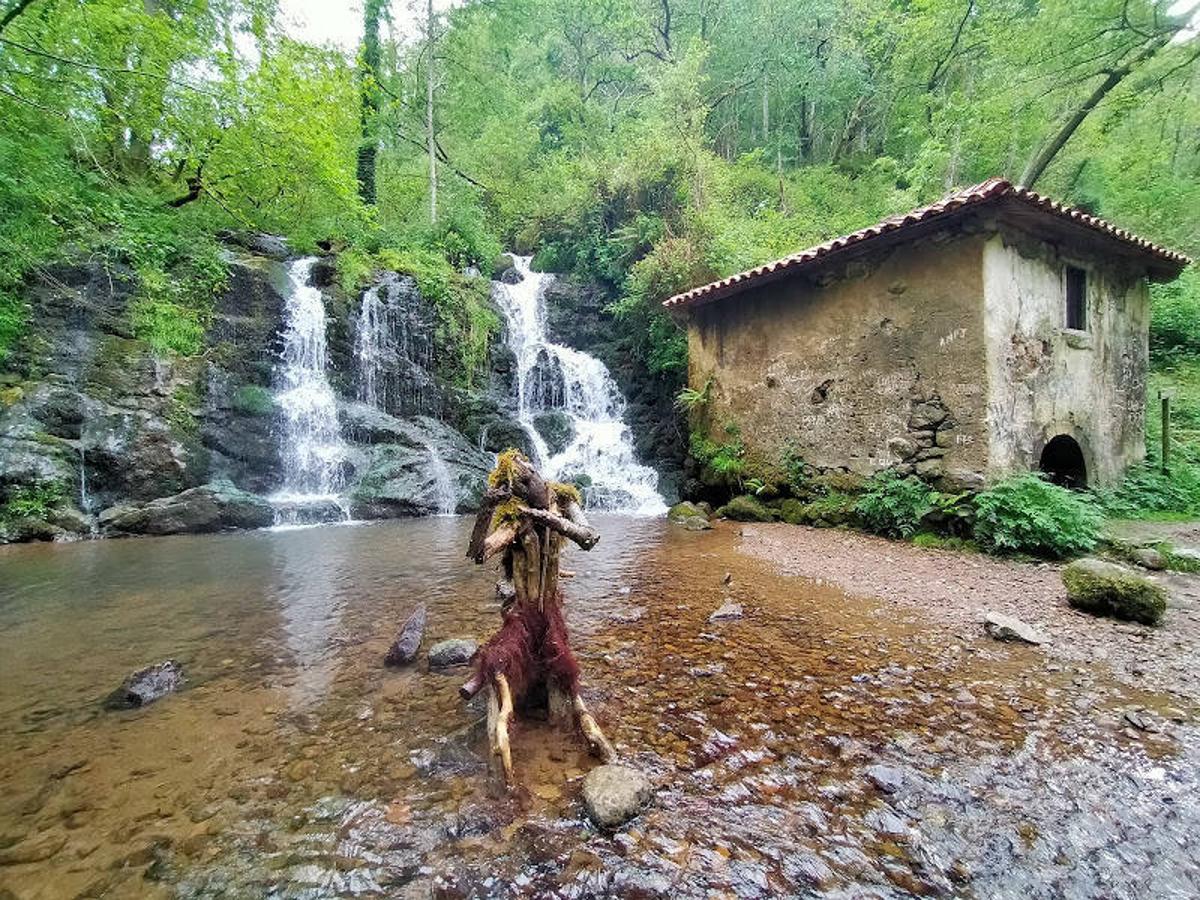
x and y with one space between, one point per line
293 764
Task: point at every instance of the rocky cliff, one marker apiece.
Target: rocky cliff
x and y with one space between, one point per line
100 435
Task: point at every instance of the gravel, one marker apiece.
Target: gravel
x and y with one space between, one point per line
953 591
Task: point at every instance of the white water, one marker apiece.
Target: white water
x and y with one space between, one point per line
601 447
371 339
447 500
311 444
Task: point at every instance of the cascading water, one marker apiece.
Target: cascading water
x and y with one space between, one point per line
311 446
552 377
447 500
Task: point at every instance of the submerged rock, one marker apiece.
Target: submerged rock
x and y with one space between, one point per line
1107 589
1010 628
408 641
453 652
614 794
727 612
696 523
147 685
885 778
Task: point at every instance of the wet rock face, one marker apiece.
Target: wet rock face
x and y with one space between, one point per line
556 429
614 794
147 685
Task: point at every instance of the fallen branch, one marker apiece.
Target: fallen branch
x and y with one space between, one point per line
585 536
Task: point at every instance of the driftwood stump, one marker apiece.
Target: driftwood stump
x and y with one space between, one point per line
523 519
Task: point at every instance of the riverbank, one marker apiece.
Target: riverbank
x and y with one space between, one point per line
950 592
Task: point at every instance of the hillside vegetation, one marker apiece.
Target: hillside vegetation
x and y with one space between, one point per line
648 146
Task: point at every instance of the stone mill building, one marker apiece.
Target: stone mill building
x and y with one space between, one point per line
992 332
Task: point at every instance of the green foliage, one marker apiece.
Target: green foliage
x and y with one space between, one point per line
932 540
31 501
1105 589
1147 493
894 506
1175 317
1027 514
692 401
12 322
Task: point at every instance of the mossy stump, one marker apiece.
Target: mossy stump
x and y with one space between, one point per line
523 520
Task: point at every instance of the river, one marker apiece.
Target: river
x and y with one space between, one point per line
293 764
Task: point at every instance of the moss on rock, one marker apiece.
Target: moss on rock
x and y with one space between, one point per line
1107 589
685 510
746 509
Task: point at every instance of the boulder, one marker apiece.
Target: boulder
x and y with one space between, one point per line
450 653
210 507
1107 589
682 511
1010 628
147 685
1149 558
696 523
746 509
500 265
614 794
404 648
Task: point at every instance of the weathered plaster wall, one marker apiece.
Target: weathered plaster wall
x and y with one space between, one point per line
1045 380
882 366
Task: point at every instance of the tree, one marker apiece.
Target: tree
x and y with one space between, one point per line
369 80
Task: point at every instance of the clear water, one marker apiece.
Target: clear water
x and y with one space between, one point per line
295 765
554 377
311 445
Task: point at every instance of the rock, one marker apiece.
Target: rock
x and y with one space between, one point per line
31 850
453 652
210 507
746 509
809 870
1107 589
408 641
272 246
1149 558
696 523
500 265
556 428
1010 628
727 612
147 685
885 778
614 794
681 512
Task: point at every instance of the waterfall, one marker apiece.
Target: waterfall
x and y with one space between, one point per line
447 500
311 442
393 349
552 377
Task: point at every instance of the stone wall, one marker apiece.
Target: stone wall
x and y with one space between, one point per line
1045 380
871 364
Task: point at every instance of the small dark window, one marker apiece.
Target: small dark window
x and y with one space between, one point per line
1076 298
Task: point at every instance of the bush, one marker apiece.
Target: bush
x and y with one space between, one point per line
1146 492
1106 589
32 501
894 506
1027 514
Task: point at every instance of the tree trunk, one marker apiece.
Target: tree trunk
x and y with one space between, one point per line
369 86
1050 150
429 133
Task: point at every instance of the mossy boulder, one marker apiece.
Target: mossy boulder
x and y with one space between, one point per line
828 511
1107 589
792 511
685 510
746 509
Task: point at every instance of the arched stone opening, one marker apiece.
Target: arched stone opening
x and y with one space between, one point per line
1062 461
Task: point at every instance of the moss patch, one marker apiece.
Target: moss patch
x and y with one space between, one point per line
746 509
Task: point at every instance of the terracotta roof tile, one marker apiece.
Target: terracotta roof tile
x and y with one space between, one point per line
992 189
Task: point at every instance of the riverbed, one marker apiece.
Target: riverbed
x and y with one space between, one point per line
819 744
